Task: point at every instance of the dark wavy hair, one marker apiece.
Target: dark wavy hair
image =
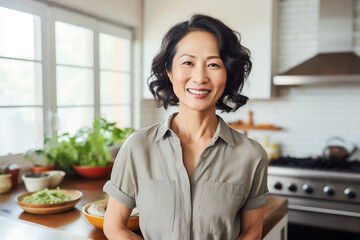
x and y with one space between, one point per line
235 57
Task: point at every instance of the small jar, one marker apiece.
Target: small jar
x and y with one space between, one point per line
5 183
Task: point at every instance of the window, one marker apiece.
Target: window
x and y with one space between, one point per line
74 76
21 109
115 77
59 70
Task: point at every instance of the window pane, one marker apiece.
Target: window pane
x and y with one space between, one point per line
21 129
72 119
74 86
74 45
20 34
114 53
114 88
20 83
119 114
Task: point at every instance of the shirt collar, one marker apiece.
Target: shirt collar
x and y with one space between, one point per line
164 127
223 130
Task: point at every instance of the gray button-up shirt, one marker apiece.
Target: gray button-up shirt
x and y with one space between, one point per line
230 177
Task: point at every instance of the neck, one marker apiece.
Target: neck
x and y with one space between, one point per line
195 124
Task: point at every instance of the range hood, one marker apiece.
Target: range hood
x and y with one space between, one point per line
335 62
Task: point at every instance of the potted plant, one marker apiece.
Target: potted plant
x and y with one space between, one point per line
94 160
97 148
90 152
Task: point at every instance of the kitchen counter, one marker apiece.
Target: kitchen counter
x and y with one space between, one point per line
73 224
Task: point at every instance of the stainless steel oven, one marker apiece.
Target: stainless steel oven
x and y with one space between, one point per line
321 193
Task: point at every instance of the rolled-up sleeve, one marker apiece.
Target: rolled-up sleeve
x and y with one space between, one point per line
259 192
121 185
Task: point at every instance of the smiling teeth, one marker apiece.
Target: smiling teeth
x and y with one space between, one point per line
198 92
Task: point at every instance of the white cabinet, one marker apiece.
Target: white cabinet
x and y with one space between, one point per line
279 231
254 20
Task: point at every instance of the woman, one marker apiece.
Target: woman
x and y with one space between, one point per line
191 176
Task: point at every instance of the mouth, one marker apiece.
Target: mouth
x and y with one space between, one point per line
201 92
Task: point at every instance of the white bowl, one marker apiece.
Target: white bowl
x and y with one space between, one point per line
56 177
36 182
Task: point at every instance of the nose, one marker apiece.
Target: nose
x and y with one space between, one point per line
200 75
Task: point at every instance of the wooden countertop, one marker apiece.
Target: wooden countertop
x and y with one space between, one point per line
74 224
72 221
276 208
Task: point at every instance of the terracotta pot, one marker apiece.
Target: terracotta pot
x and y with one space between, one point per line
14 177
40 169
93 172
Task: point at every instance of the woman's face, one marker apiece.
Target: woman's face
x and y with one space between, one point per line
198 74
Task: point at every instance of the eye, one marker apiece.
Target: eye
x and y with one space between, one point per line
188 63
213 65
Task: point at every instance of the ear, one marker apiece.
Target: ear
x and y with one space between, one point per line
168 73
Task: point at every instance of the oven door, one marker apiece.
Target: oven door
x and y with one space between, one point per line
326 214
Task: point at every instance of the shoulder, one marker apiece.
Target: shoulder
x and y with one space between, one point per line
249 149
141 137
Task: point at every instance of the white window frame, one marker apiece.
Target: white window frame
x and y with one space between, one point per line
49 15
40 10
58 14
122 33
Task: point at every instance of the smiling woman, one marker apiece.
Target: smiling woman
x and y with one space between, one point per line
191 176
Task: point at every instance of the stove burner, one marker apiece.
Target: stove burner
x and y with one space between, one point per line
317 164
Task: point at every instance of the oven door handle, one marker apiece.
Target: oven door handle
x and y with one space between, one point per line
323 210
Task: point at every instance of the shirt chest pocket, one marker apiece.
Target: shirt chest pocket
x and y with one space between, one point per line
156 204
218 206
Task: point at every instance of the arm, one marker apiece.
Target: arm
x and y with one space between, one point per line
115 222
252 224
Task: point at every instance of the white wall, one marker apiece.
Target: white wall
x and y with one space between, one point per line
308 115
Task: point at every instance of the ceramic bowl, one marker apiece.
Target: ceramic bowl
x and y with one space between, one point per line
52 207
56 177
36 181
93 172
5 183
98 222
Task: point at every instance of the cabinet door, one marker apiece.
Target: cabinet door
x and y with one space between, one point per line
254 20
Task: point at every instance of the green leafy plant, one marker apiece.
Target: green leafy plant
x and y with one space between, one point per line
92 146
63 151
88 147
113 134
